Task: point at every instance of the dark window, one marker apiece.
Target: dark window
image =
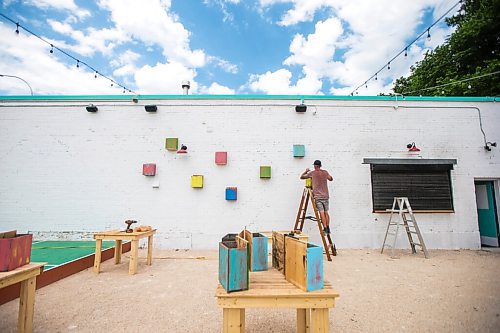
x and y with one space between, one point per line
427 186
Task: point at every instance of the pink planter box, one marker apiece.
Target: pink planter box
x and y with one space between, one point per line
15 250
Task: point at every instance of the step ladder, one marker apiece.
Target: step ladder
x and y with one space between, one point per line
328 245
402 207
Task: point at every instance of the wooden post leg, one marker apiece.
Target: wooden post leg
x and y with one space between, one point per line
26 305
134 253
97 260
233 320
319 320
303 320
150 250
118 251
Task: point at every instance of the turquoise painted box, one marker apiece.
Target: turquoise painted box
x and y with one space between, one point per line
233 265
299 151
258 250
304 264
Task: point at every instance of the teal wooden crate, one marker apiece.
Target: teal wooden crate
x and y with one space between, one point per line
258 244
233 265
304 264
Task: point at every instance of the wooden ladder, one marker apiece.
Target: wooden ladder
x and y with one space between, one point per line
401 206
330 248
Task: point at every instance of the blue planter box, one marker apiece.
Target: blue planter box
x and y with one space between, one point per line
233 265
258 244
304 264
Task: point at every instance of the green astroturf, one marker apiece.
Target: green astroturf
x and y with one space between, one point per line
56 253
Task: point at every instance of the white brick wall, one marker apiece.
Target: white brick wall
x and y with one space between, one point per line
64 169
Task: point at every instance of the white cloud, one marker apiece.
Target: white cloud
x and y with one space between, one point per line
225 65
279 82
152 23
369 33
164 78
25 56
103 40
216 89
65 5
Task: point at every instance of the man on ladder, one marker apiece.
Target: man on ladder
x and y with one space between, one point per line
320 191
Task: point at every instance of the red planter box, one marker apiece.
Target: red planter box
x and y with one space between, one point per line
15 250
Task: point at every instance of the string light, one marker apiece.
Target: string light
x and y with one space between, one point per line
451 83
405 49
428 34
54 47
376 77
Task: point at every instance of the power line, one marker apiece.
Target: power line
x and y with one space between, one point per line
78 61
405 49
453 82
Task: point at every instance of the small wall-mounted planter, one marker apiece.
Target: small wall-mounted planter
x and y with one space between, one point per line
197 181
149 169
258 250
231 193
265 172
304 264
15 250
221 157
233 265
172 144
299 151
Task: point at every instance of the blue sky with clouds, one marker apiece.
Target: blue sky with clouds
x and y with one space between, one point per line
326 47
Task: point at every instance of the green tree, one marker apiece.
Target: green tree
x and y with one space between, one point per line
472 50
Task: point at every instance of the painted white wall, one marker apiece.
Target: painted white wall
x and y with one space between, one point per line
65 172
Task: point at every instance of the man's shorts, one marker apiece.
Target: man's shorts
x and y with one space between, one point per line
322 205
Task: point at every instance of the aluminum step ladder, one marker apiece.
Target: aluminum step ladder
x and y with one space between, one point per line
402 207
328 245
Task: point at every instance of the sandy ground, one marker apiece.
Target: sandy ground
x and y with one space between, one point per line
454 291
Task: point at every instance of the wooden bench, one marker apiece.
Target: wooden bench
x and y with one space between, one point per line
269 289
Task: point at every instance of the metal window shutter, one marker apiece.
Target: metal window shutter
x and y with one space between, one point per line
427 189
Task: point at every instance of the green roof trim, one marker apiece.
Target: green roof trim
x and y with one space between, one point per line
298 98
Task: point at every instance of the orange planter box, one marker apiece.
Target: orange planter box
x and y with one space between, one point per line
15 250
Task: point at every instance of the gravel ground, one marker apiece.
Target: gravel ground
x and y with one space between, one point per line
453 291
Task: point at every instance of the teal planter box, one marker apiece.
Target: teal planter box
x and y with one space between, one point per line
233 265
299 151
304 264
231 193
258 249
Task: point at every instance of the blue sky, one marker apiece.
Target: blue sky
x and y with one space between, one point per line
325 47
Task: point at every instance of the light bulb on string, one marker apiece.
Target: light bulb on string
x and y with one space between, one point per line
111 83
366 85
469 86
17 28
95 75
376 77
389 65
51 48
428 35
78 64
406 52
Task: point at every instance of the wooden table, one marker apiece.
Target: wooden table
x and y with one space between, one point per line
269 289
120 236
27 276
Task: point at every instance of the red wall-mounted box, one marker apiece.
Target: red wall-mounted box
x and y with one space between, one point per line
149 169
15 250
221 157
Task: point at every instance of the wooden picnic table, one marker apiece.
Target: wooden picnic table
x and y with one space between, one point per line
269 289
27 276
120 236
